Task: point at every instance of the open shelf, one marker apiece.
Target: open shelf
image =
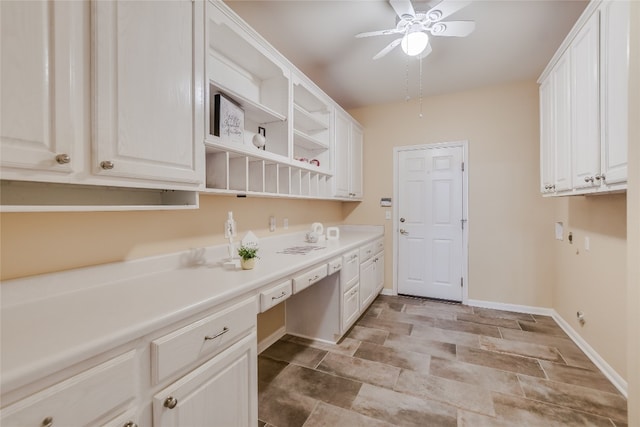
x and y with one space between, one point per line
307 122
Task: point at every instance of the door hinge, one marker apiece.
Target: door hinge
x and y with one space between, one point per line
461 282
462 221
462 166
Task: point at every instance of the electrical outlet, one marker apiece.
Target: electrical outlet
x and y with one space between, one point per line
587 243
272 223
387 215
285 223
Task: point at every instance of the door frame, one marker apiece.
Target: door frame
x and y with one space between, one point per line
465 209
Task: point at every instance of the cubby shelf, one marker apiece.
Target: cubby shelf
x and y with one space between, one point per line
253 111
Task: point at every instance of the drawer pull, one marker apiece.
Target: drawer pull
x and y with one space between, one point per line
170 402
337 266
213 337
283 294
47 422
311 279
130 424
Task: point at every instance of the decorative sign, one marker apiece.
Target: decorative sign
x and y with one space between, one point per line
228 119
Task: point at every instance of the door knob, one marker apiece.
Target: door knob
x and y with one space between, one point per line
404 232
402 220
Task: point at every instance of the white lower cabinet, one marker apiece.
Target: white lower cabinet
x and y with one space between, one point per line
378 261
350 306
221 392
367 282
96 396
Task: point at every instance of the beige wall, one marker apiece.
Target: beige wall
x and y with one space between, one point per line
510 225
633 224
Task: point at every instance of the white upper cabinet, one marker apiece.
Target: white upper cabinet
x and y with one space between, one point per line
584 105
148 80
348 157
614 90
40 128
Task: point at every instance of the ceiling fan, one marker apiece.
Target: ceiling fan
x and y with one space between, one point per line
415 27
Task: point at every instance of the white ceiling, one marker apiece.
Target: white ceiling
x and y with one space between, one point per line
513 41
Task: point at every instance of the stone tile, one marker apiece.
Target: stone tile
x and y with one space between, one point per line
451 392
518 348
451 307
390 356
294 353
526 412
482 376
492 321
401 409
268 369
578 376
501 314
421 345
430 312
361 333
283 407
400 299
329 415
373 312
362 370
471 328
506 362
472 419
542 328
387 305
386 325
317 385
544 320
346 346
570 352
443 335
414 319
261 423
583 399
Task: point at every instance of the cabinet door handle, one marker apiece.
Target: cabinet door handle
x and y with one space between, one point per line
130 424
47 422
404 232
311 279
63 159
213 337
170 402
279 296
107 165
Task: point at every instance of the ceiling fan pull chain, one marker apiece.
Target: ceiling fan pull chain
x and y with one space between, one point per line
420 87
406 81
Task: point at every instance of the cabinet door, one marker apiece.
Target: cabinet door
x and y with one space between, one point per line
356 188
562 124
547 134
379 267
350 306
342 168
367 283
148 81
222 392
41 80
614 89
585 128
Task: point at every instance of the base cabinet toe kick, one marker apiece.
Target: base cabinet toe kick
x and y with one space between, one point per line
198 369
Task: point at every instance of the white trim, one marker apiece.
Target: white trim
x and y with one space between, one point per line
511 307
271 339
606 369
387 291
465 210
592 354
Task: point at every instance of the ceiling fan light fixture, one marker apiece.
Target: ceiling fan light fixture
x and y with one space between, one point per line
414 43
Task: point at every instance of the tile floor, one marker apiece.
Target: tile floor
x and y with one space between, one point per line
418 362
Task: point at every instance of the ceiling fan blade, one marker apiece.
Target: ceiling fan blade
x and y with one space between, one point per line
446 8
453 28
388 48
378 33
427 50
403 8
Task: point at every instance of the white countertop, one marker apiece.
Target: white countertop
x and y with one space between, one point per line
52 321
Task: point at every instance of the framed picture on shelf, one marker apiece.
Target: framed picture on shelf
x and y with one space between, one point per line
228 119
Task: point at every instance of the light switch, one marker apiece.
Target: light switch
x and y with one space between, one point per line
387 215
559 231
272 223
587 243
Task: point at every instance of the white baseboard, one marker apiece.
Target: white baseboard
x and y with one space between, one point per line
593 355
597 360
271 339
511 307
386 291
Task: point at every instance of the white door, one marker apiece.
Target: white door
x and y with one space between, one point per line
430 222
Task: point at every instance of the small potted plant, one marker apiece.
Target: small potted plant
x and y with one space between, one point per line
248 255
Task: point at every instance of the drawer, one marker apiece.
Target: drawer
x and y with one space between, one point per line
334 265
366 252
378 246
205 337
307 279
89 398
350 267
275 295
